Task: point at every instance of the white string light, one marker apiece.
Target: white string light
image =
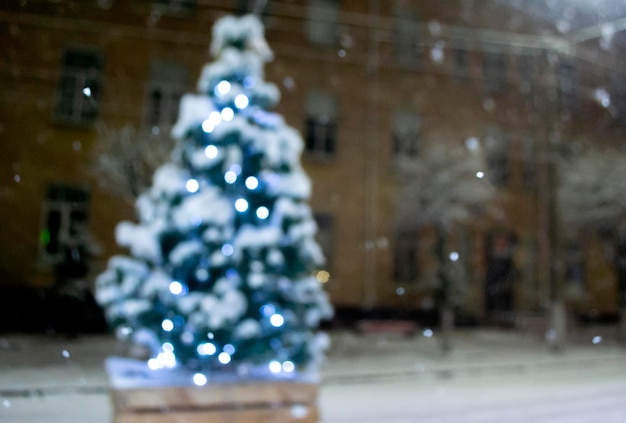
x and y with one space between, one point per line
177 288
206 348
192 185
277 320
199 379
262 212
252 183
230 177
211 151
222 88
224 358
241 101
167 325
228 114
241 205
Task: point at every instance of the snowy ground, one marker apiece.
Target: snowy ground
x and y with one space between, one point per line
491 376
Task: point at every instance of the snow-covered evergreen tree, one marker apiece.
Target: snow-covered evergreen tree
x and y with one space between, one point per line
223 254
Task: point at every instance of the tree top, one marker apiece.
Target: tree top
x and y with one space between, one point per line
243 33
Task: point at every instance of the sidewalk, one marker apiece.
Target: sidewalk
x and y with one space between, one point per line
490 376
51 380
474 353
42 362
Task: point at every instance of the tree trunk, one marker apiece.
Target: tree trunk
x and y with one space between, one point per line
558 325
444 296
446 315
622 324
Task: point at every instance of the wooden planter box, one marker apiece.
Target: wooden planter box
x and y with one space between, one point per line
140 395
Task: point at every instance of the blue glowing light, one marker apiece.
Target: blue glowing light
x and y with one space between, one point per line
227 250
268 310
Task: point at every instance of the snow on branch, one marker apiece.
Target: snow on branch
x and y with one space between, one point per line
441 187
592 190
244 32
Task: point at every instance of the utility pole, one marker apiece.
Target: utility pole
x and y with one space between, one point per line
371 168
557 322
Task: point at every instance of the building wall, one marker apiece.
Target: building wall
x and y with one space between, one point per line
357 185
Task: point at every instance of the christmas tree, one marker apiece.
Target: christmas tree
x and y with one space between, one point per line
223 254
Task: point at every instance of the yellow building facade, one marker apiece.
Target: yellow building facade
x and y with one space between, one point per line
364 82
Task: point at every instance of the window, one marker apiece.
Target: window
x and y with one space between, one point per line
494 72
525 68
498 150
528 149
574 269
176 6
64 237
321 124
617 98
406 133
405 257
405 32
79 87
326 236
501 273
461 63
168 82
257 7
244 6
322 25
568 85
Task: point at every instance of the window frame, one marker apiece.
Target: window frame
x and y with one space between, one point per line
461 63
405 34
171 81
494 69
406 257
320 126
83 109
175 7
406 142
64 201
325 237
526 70
499 147
529 151
568 85
322 22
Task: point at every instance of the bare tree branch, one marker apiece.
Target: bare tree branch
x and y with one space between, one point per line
592 191
441 187
124 159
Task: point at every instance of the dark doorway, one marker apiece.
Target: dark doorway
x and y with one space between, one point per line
500 276
620 266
